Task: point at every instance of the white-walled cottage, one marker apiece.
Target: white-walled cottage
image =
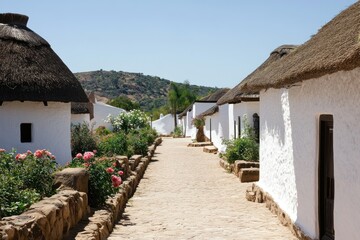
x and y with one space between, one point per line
36 89
101 112
227 120
310 131
197 108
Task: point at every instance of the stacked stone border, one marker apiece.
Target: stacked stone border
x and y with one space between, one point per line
66 215
246 171
256 194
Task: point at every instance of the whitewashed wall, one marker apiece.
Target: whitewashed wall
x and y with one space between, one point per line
101 111
80 118
241 109
197 109
189 126
50 127
219 127
164 125
289 149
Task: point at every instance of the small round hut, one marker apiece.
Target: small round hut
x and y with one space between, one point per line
36 91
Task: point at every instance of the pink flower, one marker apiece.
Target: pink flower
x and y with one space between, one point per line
114 164
79 156
109 170
88 156
120 173
21 156
38 153
116 181
2 150
95 151
28 152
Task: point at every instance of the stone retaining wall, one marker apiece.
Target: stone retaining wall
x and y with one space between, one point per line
256 194
244 170
66 215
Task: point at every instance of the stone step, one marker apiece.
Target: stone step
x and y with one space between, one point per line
200 144
239 164
210 149
249 174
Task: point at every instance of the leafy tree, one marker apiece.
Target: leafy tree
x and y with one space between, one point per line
179 97
124 103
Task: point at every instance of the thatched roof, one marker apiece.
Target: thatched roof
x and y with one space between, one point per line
237 94
212 97
334 48
210 111
29 69
215 96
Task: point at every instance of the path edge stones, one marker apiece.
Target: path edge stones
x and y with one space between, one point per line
102 222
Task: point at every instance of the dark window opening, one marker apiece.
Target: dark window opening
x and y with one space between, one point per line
256 121
25 132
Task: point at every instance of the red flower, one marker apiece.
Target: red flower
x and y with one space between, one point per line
120 173
116 181
109 170
79 156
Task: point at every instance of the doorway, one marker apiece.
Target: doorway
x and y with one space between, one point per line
326 179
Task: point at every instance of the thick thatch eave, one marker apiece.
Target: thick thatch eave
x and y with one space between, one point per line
210 111
29 69
334 48
237 94
215 96
183 113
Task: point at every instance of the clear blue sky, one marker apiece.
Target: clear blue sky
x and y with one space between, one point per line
207 42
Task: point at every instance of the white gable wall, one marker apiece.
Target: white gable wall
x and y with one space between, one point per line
101 112
50 127
242 109
164 125
189 126
289 149
219 127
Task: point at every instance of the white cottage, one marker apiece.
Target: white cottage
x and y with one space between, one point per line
196 109
36 89
226 120
101 111
310 131
81 112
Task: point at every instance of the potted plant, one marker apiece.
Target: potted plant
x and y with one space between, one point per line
199 123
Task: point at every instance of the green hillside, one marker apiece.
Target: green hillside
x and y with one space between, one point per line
149 91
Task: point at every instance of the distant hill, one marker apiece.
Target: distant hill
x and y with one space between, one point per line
149 91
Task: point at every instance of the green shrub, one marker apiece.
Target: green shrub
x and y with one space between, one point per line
102 131
178 132
113 144
25 179
82 139
137 144
104 177
242 149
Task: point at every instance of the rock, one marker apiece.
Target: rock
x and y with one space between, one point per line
249 175
75 178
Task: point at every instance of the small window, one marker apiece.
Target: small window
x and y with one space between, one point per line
25 132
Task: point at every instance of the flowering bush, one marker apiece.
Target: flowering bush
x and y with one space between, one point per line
81 138
127 121
25 178
104 176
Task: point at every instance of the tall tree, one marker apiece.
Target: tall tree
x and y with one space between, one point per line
179 98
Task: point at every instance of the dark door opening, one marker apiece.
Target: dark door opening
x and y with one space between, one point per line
326 179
